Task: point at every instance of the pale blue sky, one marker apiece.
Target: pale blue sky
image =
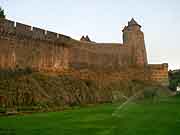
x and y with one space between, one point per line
103 21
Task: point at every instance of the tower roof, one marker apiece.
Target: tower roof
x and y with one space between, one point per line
85 38
133 22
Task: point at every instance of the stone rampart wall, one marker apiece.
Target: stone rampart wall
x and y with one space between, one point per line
26 46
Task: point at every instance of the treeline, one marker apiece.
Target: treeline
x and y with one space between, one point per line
174 79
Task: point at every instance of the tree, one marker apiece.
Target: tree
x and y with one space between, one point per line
2 15
174 79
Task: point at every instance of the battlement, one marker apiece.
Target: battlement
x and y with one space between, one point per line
158 66
23 30
38 33
51 35
8 27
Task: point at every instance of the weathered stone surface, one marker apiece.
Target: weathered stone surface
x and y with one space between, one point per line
25 46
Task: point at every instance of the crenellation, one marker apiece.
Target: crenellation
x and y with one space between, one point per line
51 35
7 26
63 37
38 33
23 30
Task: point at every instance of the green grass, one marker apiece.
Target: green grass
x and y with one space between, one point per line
140 118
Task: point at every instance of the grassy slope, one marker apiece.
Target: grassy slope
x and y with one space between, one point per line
160 118
27 90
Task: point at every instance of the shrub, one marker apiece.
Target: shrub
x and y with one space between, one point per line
150 93
174 79
2 110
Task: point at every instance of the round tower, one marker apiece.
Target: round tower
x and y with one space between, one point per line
133 37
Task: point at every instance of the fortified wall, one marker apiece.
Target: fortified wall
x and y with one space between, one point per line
26 46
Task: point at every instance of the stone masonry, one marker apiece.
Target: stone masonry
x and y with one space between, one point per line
26 46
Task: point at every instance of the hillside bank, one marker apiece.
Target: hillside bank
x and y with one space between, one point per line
24 89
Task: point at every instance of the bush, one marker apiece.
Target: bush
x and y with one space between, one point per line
150 93
2 110
174 79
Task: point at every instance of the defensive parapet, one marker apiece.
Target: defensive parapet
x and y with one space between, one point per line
20 30
26 46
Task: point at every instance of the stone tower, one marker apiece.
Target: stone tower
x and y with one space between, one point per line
134 38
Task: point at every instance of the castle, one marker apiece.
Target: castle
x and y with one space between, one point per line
26 46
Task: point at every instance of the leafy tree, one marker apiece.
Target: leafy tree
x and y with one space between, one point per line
2 15
174 79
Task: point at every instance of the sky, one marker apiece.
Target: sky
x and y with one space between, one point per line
103 21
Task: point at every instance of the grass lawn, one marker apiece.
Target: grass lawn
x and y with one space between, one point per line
143 118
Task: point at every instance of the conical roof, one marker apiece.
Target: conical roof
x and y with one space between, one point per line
133 22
